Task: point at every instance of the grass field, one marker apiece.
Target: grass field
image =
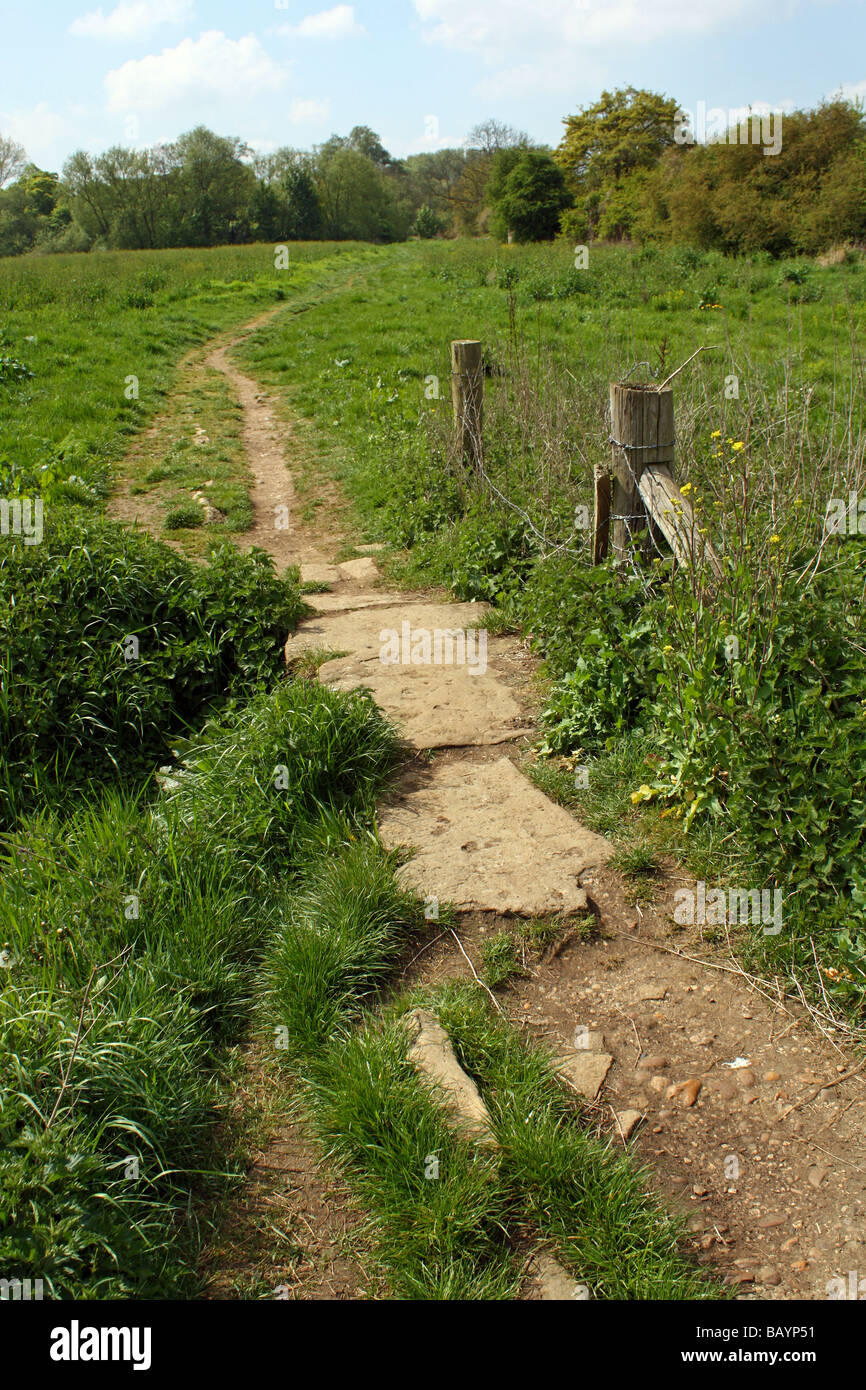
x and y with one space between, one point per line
151 921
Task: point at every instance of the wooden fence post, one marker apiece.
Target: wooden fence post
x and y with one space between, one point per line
601 516
467 394
642 433
645 495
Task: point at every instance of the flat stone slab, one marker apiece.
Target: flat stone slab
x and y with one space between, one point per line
363 569
428 668
585 1072
487 840
432 1055
344 603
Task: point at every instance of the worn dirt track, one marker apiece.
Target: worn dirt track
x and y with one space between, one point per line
752 1114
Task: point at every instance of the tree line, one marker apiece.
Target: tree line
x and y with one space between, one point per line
627 168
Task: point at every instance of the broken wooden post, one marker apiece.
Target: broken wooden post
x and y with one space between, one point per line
641 433
467 393
601 516
645 496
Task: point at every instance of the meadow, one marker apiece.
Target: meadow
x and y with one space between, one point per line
164 900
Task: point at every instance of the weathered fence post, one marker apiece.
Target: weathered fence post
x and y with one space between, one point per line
642 433
601 516
645 496
467 394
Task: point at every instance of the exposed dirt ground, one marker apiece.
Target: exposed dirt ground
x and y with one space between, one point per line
754 1113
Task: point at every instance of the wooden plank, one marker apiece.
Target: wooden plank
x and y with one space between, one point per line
672 514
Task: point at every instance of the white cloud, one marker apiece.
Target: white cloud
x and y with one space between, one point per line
212 67
39 129
495 27
131 19
338 23
851 91
308 112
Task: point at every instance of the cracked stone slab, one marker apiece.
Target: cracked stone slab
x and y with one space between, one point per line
432 1054
357 625
434 701
345 603
585 1072
487 840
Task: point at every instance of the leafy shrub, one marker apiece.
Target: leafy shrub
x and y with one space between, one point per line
76 702
769 740
491 553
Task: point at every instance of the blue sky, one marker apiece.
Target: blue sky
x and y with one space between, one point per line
420 72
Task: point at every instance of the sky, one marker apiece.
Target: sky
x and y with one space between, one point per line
421 73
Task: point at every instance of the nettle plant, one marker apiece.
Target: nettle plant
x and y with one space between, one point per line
759 717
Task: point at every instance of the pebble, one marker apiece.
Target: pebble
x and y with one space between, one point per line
767 1222
690 1090
769 1275
772 1076
658 1083
817 1175
746 1077
653 1063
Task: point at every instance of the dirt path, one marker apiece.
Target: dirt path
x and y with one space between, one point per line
750 1117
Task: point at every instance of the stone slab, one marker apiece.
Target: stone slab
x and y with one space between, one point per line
487 840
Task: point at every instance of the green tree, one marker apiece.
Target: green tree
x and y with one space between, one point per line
604 143
358 199
528 193
216 186
427 223
483 143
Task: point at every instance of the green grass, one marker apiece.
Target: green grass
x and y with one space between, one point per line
500 959
132 935
85 325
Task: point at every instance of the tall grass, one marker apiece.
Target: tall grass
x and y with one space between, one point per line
131 936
